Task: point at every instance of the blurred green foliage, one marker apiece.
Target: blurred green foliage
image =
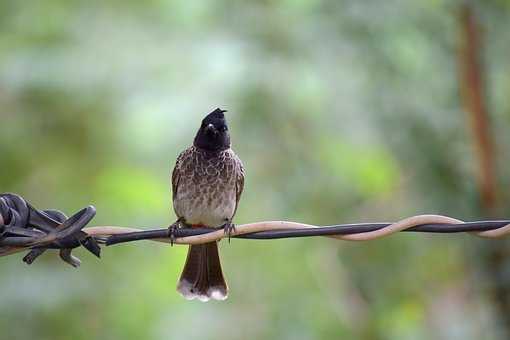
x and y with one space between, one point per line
342 111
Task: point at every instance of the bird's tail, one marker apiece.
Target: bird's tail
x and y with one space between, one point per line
202 277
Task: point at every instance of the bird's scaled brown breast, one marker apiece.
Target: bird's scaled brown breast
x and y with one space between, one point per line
207 186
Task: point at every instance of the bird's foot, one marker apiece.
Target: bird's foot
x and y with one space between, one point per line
172 229
229 228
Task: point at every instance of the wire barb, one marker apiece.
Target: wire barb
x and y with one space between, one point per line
25 228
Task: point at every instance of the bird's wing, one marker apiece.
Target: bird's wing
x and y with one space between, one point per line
176 173
239 181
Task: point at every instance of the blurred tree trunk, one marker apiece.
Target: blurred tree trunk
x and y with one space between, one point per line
472 90
473 96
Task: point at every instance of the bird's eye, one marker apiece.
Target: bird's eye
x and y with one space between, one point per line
223 128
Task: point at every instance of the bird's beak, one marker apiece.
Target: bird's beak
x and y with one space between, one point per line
211 129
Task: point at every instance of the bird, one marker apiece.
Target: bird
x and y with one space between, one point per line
207 183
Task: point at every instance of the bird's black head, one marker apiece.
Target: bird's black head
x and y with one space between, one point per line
213 134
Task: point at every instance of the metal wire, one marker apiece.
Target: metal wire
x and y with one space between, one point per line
340 229
22 227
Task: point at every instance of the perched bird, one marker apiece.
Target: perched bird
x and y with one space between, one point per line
207 183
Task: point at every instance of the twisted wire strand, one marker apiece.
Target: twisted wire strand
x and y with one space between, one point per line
22 227
286 229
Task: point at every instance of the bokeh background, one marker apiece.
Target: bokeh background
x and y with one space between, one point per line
343 111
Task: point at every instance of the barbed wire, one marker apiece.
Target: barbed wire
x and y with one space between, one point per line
23 227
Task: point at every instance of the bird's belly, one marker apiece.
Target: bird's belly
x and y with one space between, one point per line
208 210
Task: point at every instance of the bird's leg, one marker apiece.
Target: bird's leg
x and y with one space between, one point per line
229 228
173 228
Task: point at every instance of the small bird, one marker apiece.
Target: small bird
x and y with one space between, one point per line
207 183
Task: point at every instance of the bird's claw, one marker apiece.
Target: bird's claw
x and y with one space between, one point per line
172 230
228 229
